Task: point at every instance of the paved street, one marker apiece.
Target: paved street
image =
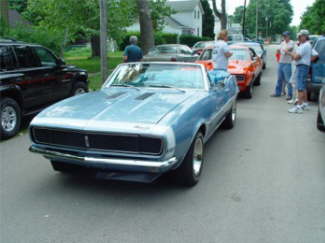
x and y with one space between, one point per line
262 182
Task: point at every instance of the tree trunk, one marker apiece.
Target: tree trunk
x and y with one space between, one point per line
146 29
4 11
95 46
222 16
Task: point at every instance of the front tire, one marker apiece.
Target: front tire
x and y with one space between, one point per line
79 88
248 93
257 81
188 174
10 118
320 123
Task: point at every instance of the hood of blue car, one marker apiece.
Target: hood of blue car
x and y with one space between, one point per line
118 104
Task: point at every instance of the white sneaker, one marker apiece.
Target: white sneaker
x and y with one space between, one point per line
305 106
296 109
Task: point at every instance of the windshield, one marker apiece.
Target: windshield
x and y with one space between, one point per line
239 54
206 55
157 75
203 45
163 50
256 47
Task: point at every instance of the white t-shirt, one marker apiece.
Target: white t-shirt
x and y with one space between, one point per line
285 58
218 55
305 51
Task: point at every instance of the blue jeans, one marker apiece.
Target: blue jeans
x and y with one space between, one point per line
302 74
284 75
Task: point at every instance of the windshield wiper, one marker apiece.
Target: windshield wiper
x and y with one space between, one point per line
165 86
126 85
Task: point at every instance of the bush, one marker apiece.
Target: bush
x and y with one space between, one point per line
164 38
190 40
38 35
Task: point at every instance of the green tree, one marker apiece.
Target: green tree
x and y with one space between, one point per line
19 5
208 20
81 16
237 17
314 18
274 17
158 11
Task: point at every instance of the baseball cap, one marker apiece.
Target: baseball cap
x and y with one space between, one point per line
303 32
286 33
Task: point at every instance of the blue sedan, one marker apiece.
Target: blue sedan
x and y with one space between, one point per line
148 119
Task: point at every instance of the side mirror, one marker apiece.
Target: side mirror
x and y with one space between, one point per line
61 62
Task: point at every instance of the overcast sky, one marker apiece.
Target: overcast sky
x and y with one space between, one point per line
299 6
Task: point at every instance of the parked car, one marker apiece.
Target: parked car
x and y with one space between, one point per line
171 52
234 38
31 78
258 48
313 39
317 71
244 64
201 45
321 110
148 119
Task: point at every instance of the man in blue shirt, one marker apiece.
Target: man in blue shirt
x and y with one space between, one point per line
132 52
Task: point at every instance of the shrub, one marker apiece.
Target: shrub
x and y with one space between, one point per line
38 35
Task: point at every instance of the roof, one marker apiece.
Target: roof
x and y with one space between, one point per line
185 5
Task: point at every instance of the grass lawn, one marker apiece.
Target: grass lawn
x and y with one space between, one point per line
81 57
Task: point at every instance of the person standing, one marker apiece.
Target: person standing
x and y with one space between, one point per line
221 53
132 52
284 67
302 57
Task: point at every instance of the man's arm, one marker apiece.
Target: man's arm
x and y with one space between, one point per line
227 53
125 55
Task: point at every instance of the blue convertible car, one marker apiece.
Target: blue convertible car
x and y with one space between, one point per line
148 119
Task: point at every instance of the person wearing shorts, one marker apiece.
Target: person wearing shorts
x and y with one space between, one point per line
302 57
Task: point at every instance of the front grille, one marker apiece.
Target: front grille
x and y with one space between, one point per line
87 140
240 78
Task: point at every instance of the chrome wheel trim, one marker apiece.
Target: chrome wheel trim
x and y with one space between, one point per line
79 91
8 118
197 156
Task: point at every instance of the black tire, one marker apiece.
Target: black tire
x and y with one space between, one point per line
264 66
320 123
10 118
230 120
185 173
257 81
311 96
79 88
248 93
64 167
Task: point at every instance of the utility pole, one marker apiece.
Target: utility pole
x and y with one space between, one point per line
256 20
103 39
4 11
244 18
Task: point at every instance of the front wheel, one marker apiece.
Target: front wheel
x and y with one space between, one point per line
79 88
10 118
190 170
248 93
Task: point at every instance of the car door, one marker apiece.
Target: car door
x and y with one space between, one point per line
59 82
218 95
318 67
256 62
31 81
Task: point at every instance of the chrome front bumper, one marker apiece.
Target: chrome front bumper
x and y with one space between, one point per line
149 166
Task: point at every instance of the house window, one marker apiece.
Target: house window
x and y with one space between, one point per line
194 14
198 14
198 31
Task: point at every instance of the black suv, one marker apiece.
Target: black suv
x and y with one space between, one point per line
31 78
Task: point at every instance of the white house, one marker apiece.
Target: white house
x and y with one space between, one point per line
187 19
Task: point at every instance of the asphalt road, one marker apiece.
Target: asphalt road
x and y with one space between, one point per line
263 181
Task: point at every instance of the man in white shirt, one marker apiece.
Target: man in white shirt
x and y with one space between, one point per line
284 67
221 53
302 57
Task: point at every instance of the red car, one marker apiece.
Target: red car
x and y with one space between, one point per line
244 64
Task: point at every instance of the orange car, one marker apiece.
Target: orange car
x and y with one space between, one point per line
244 64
